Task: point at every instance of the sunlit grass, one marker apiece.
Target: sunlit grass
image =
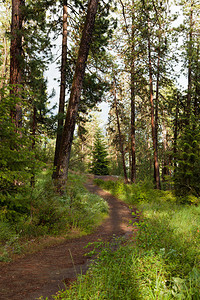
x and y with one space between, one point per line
161 262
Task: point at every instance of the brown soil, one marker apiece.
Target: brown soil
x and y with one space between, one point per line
47 271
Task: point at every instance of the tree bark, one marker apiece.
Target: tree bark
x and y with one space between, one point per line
156 165
15 59
157 98
176 133
62 87
189 93
133 161
120 135
70 121
164 167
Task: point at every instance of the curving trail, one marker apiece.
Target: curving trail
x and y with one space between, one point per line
47 271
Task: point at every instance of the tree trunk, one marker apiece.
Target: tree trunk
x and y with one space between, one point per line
129 160
176 133
157 99
62 87
156 166
15 59
133 164
164 168
33 133
70 121
149 154
120 136
197 92
189 93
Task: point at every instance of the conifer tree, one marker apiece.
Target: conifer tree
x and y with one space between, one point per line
62 84
70 120
24 102
100 161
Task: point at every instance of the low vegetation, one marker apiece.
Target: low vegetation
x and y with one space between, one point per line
40 213
161 261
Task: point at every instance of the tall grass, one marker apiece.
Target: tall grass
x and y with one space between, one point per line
162 261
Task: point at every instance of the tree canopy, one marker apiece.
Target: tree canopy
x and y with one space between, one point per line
131 54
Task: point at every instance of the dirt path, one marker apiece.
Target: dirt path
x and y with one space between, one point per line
44 273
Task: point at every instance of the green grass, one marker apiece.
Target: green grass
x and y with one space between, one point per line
162 261
42 212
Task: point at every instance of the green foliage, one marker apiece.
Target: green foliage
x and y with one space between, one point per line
186 176
115 166
95 83
15 154
136 193
143 192
78 156
100 161
19 163
7 231
22 151
93 92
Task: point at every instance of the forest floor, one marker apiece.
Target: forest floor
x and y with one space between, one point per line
52 269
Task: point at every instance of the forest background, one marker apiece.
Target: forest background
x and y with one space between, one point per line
135 54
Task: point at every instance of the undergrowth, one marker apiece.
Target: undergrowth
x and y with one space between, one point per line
162 261
42 212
